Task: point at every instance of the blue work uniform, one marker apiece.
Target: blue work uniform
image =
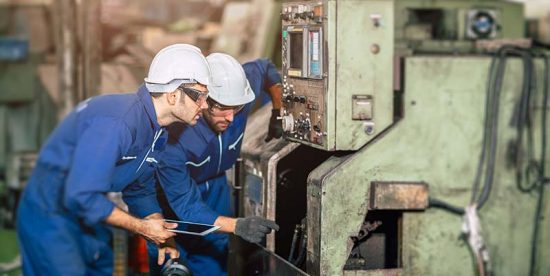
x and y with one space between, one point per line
206 155
106 143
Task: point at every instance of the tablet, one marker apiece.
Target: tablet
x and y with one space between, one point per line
191 228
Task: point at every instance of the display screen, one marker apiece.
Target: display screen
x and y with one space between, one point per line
296 49
191 228
314 54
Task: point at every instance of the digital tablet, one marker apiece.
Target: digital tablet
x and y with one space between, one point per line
191 228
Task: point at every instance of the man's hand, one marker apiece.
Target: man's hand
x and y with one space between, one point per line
169 247
275 129
254 229
156 230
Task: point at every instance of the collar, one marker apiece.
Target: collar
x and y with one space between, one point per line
204 130
147 101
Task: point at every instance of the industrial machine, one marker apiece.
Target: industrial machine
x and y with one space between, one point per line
415 143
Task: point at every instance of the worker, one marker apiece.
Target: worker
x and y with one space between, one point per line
105 144
211 147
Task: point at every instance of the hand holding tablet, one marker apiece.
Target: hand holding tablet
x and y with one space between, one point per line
191 228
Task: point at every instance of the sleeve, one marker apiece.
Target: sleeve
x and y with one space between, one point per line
271 75
99 147
141 196
180 189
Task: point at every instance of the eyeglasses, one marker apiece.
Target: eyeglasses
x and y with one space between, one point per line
217 109
196 95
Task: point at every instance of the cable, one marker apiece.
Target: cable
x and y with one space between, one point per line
436 203
542 176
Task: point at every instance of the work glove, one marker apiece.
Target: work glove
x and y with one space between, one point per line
254 229
275 129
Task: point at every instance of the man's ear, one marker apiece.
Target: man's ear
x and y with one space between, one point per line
172 97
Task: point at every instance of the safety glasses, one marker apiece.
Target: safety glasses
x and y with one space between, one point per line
218 109
196 95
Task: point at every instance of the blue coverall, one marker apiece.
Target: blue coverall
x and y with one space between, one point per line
207 155
105 144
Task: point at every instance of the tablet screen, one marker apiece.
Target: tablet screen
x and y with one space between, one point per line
185 227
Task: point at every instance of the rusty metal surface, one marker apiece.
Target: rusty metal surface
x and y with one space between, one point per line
398 196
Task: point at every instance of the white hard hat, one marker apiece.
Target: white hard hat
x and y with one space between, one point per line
229 84
175 65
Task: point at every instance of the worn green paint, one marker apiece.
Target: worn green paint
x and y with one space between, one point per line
437 142
359 71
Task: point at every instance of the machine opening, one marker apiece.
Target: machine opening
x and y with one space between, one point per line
377 244
291 202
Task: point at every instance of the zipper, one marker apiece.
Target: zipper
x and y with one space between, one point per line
220 161
207 186
234 145
152 148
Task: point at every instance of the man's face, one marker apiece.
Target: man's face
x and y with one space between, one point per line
188 110
218 116
218 122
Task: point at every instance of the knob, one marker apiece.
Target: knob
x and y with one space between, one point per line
286 16
317 127
288 123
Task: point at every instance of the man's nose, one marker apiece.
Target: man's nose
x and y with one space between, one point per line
229 117
204 105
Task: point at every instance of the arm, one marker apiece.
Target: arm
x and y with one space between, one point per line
99 147
276 93
153 228
185 199
180 189
272 83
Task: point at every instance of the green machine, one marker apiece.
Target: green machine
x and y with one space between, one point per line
414 143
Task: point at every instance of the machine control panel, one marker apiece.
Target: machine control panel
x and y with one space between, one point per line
304 84
300 13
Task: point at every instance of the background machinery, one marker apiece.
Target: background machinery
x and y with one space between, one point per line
416 143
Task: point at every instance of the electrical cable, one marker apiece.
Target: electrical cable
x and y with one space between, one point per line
436 203
494 99
542 174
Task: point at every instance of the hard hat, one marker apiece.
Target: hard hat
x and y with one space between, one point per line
175 65
229 85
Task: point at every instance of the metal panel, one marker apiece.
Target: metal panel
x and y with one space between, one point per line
435 142
398 196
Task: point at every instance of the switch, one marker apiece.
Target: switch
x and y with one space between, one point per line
362 107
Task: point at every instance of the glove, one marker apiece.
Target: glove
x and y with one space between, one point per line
254 229
275 129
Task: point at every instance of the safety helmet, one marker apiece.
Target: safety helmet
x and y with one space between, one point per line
229 85
175 65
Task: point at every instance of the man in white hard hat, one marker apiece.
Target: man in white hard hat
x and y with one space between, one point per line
206 150
105 144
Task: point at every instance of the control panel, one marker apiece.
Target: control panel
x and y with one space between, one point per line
303 72
337 64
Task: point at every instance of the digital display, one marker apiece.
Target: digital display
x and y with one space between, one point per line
192 228
314 58
296 50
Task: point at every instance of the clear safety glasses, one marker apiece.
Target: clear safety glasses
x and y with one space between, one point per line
196 95
217 109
